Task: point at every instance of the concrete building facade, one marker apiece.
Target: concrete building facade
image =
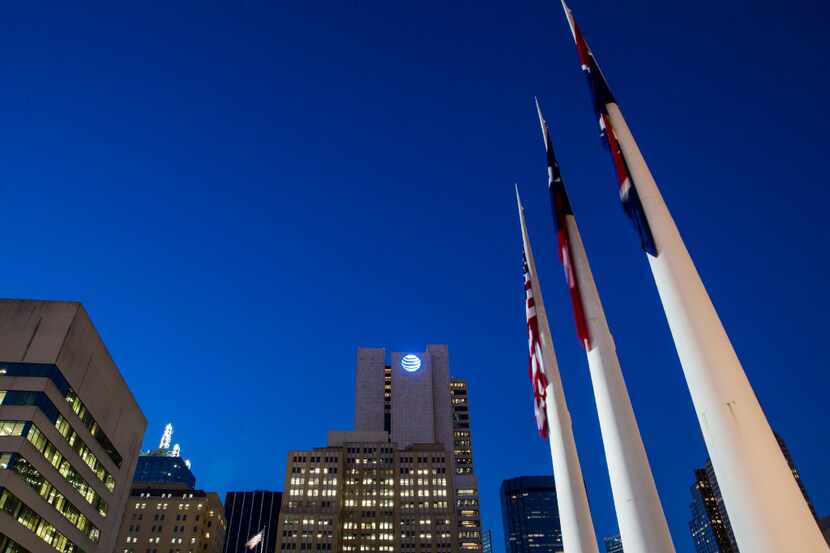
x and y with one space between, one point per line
70 432
403 480
172 520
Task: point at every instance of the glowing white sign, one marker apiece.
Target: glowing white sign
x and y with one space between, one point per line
410 363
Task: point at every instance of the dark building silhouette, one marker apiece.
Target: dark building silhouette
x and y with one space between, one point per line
613 544
709 525
530 515
248 513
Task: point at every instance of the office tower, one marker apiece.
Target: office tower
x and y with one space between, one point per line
172 520
786 451
70 431
403 479
824 525
249 513
487 541
710 525
530 515
164 466
613 544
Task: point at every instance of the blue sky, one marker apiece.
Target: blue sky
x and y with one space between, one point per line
241 195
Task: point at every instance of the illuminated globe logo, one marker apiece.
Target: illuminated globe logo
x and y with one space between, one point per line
410 363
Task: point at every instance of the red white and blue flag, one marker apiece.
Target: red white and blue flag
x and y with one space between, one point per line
536 365
602 97
563 218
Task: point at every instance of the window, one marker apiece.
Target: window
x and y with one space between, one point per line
52 496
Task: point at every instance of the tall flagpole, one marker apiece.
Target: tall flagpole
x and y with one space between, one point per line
767 510
640 516
578 534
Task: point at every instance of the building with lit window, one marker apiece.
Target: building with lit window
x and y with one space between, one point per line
248 513
530 515
173 520
70 432
403 480
613 544
709 524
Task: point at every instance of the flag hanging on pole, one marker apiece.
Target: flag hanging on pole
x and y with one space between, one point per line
255 540
536 366
602 97
561 212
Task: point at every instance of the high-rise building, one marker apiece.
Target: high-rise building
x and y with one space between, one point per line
786 451
487 545
404 479
613 544
164 466
248 514
530 515
709 525
70 432
172 520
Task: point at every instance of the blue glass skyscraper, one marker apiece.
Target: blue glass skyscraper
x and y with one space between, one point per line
530 515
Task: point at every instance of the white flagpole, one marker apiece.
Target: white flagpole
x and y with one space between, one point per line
767 510
578 534
640 516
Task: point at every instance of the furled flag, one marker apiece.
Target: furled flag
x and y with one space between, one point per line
602 97
561 212
536 366
255 540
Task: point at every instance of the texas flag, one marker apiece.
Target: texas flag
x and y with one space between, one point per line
563 217
602 98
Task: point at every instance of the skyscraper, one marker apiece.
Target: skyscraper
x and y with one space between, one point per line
403 479
71 431
530 515
164 466
248 513
613 544
710 527
487 541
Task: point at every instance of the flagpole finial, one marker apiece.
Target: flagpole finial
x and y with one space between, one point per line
539 111
570 17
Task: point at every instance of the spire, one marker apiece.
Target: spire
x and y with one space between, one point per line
166 436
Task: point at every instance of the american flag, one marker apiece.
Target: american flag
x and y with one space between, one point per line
562 216
255 540
536 366
602 97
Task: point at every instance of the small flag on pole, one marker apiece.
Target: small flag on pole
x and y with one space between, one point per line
255 540
602 97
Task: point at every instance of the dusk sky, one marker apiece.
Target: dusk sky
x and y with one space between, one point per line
243 194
